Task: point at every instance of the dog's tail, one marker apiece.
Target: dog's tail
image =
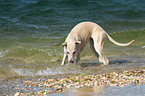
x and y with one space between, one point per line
119 44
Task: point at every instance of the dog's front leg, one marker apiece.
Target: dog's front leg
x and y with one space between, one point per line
64 57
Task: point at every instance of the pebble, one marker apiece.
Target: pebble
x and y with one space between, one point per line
40 92
111 79
17 94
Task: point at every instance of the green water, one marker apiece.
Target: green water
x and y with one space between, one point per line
30 60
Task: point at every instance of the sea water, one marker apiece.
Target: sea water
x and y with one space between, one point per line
31 32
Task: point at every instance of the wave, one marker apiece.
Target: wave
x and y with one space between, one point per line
44 71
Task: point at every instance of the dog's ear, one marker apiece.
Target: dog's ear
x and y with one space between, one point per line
64 44
77 42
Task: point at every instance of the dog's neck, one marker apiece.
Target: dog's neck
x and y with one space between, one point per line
70 39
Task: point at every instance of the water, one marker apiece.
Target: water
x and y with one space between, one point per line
131 90
31 32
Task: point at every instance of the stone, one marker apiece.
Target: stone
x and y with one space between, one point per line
17 94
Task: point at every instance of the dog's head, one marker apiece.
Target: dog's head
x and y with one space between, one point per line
71 50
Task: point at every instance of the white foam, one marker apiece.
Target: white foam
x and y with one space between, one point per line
21 71
48 71
45 72
143 47
3 53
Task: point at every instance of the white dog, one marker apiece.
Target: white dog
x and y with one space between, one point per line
78 38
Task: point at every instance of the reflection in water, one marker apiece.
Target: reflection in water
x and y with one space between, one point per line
89 91
131 90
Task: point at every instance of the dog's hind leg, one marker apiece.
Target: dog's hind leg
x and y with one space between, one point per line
98 46
94 51
92 48
102 57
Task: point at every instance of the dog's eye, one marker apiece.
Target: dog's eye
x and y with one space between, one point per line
67 52
74 52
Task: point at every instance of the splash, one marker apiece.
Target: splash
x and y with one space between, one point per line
3 53
43 72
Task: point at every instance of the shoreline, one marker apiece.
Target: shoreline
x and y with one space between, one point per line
48 86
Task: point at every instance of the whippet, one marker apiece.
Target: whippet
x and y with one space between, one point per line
78 38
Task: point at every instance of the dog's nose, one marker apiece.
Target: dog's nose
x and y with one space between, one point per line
71 61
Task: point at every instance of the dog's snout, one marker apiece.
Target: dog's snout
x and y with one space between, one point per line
71 61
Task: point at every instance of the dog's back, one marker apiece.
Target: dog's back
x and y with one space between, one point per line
83 31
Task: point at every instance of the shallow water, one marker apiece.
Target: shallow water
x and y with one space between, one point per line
46 61
131 90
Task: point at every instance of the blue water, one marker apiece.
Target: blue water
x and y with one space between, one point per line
55 18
